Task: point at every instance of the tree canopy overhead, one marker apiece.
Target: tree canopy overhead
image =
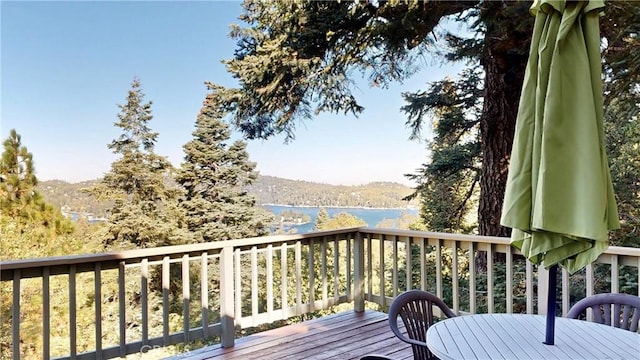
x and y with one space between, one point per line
296 59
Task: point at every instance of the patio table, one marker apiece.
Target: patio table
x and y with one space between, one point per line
520 336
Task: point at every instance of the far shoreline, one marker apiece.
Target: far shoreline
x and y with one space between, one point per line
342 207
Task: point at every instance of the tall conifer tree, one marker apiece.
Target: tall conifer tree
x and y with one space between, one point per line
448 181
17 177
215 177
321 219
19 198
143 211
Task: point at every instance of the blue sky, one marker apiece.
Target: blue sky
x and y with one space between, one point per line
66 65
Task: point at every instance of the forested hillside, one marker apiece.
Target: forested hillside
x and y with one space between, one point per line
274 190
268 190
69 196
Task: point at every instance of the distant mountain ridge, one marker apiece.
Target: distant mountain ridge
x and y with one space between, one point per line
275 190
267 189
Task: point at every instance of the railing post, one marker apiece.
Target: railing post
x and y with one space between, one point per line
227 317
358 272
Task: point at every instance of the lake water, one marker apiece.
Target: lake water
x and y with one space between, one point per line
370 216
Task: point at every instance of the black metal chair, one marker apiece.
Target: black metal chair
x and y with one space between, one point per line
415 307
625 315
375 357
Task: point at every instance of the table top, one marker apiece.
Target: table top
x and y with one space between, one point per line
520 336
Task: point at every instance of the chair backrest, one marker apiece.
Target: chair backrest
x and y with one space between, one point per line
625 314
375 357
415 307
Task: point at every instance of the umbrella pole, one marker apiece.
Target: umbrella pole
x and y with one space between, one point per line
551 306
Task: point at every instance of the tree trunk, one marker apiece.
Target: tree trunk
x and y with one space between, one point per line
504 60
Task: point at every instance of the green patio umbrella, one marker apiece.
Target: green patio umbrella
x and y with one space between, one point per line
559 198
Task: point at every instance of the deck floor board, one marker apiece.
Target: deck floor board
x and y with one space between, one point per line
347 335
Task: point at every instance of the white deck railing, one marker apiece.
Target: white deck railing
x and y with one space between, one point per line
239 284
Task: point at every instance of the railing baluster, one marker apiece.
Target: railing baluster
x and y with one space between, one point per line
121 309
383 294
238 284
590 283
336 268
490 287
472 277
284 301
269 271
46 314
349 244
394 266
358 272
369 265
97 300
455 276
543 289
166 268
312 278
72 312
590 280
615 285
186 297
15 315
144 299
254 284
298 265
323 270
565 292
529 286
509 273
439 268
204 294
423 264
408 263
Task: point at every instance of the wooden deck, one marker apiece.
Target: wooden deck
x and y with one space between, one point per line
344 336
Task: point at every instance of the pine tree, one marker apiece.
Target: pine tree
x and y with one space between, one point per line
17 178
19 198
339 221
448 181
321 219
144 211
623 150
215 177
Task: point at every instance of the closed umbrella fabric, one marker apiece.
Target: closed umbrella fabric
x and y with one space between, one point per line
559 199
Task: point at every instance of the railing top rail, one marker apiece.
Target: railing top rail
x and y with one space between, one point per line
164 250
178 250
437 235
621 250
612 250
